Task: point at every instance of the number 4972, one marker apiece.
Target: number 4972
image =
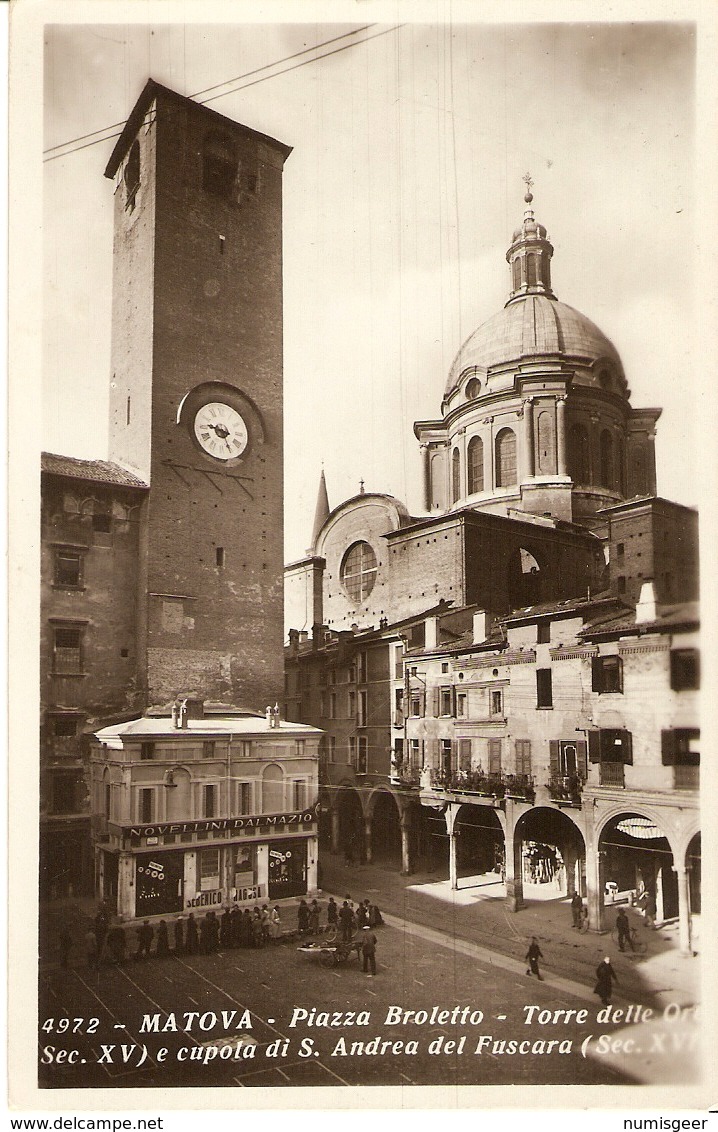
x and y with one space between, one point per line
70 1025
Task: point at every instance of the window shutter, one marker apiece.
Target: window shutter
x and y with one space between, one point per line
553 757
581 763
464 754
668 748
594 746
422 702
453 701
494 756
627 747
619 675
596 676
434 753
436 696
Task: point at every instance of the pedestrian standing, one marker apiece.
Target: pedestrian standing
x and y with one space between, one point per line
213 931
275 924
163 943
624 931
303 917
235 920
179 935
368 950
266 922
91 947
314 914
576 910
192 939
257 935
375 917
651 910
145 935
225 929
605 978
363 915
246 928
332 912
117 944
533 955
346 919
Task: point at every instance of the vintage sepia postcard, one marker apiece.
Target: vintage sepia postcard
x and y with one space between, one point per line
358 449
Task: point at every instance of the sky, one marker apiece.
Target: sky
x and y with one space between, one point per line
400 197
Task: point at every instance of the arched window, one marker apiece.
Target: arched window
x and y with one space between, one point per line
455 475
132 174
476 464
473 388
606 459
219 164
438 482
516 268
531 267
505 458
358 571
578 454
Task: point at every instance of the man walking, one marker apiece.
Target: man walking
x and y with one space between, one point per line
368 950
533 955
605 978
623 928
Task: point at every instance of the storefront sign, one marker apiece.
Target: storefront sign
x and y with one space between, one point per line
205 899
216 896
219 825
159 883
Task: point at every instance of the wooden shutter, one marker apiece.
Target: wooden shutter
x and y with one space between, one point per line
464 754
553 752
436 699
433 753
668 748
494 756
581 763
627 746
594 746
596 675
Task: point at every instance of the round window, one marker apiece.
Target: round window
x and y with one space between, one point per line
473 388
359 571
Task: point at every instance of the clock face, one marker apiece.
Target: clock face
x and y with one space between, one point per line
220 430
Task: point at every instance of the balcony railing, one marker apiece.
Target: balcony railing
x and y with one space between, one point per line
611 774
408 775
565 788
484 785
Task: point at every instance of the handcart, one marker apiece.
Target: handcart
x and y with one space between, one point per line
333 952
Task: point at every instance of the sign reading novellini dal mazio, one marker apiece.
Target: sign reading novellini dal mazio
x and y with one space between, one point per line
221 825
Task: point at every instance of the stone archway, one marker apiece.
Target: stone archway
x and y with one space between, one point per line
351 824
479 845
548 855
693 868
383 832
429 840
636 858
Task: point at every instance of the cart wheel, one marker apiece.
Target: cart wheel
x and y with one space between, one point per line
327 959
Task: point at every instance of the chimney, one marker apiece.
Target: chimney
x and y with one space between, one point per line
431 631
482 626
647 607
293 641
195 707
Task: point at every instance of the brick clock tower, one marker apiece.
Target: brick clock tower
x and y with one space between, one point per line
196 393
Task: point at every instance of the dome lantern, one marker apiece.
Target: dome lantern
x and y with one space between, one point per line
529 257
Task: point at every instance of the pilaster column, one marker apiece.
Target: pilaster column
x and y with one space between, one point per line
450 818
561 435
595 885
684 911
463 469
312 859
426 461
514 871
570 857
529 462
367 842
126 887
335 830
406 864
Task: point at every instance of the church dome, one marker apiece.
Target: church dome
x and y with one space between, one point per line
530 326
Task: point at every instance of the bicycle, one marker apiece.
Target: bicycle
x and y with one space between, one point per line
637 945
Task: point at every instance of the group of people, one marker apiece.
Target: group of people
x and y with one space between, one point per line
235 927
347 918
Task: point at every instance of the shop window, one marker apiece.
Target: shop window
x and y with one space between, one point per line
522 748
208 748
543 633
67 656
506 473
147 751
146 805
544 688
606 674
219 165
358 571
68 569
476 464
685 669
208 869
209 798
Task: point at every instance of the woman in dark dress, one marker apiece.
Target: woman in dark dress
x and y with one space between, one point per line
162 947
179 935
605 978
192 940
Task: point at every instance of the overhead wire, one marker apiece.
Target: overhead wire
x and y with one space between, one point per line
50 153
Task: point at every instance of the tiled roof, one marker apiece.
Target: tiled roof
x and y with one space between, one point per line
97 471
669 616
